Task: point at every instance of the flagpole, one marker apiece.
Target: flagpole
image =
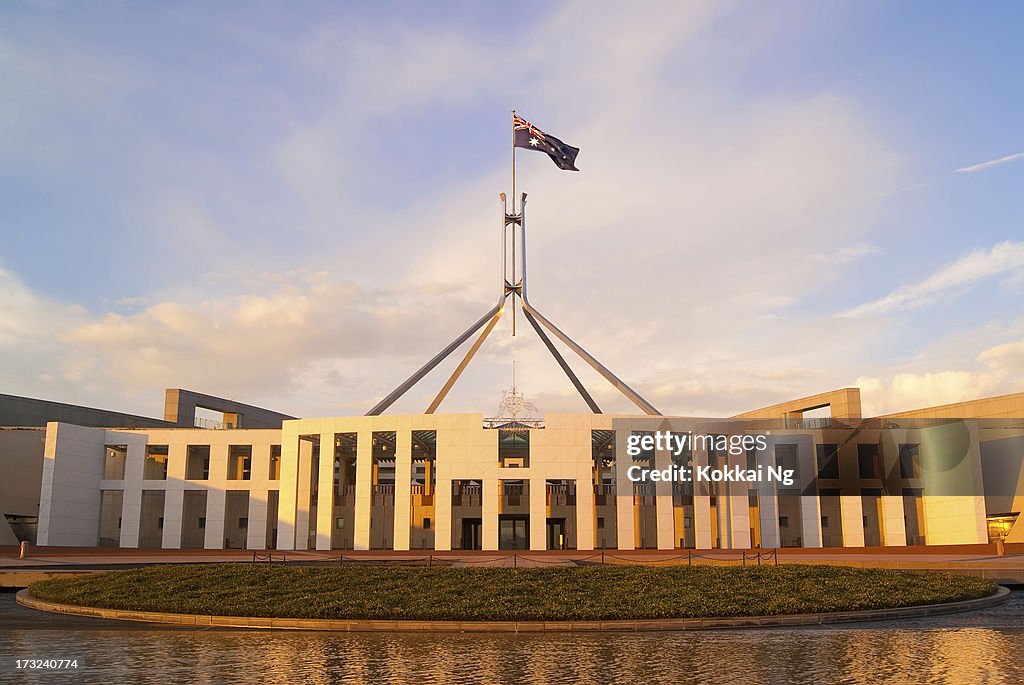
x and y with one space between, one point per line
513 223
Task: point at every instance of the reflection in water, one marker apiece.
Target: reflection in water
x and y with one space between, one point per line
980 647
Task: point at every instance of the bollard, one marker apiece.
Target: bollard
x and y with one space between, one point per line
24 546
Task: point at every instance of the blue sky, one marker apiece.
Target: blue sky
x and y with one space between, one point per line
295 206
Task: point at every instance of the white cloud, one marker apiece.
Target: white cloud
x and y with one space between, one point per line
972 268
906 391
989 164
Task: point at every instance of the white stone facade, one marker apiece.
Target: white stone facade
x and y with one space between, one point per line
400 499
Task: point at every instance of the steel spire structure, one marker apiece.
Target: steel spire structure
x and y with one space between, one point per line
513 285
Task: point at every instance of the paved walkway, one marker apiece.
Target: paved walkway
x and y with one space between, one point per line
974 559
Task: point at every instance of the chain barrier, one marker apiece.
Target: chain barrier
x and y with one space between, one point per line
603 557
268 557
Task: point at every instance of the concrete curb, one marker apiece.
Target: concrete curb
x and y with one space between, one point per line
1001 595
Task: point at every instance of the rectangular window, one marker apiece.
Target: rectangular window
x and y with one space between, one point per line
240 462
828 461
275 462
867 461
243 522
910 461
156 463
113 465
426 524
687 522
202 522
197 464
514 448
783 522
824 521
339 523
751 459
786 457
600 521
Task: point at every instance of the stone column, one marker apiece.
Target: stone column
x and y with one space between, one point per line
851 511
364 489
256 535
325 492
890 519
490 493
665 523
131 512
287 498
403 492
538 512
624 510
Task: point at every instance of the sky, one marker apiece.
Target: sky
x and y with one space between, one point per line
295 205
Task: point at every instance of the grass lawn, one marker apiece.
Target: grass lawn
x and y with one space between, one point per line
505 594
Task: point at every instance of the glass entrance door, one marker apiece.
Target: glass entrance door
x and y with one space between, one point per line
556 533
471 537
513 532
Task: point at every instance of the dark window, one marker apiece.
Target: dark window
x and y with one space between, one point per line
783 522
867 461
600 522
824 521
426 524
160 524
751 459
197 464
275 462
910 461
786 456
202 522
243 522
828 461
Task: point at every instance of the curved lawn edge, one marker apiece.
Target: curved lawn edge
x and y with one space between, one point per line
1001 595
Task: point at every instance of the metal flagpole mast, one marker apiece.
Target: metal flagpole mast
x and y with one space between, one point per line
513 224
514 286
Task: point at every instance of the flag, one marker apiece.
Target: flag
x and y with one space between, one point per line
530 137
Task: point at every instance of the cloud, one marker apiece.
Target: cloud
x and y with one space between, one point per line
319 258
951 370
965 272
906 391
989 164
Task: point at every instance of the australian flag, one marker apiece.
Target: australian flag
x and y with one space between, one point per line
532 138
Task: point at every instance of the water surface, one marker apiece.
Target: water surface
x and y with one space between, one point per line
979 647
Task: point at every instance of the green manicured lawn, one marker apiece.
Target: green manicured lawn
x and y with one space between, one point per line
505 594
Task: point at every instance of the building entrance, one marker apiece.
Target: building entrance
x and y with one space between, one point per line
471 536
513 532
556 534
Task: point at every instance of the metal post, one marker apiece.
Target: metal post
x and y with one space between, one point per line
513 223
